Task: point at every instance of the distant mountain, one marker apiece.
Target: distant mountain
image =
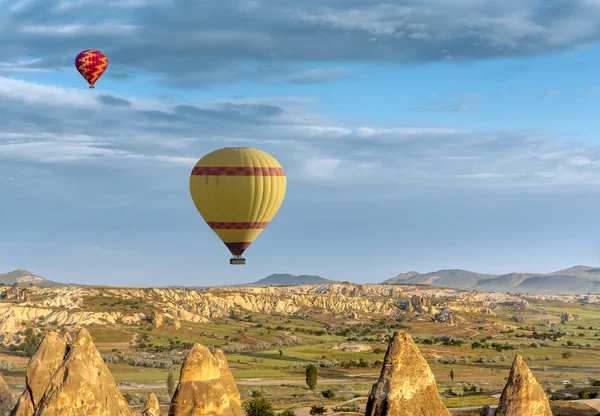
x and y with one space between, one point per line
285 279
456 278
24 277
574 280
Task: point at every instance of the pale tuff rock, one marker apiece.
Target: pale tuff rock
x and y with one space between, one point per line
177 324
406 385
6 401
152 407
11 323
523 396
348 346
82 385
206 386
419 302
566 317
156 319
228 381
41 368
202 306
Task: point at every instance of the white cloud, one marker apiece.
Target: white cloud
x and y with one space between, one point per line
45 126
321 168
285 34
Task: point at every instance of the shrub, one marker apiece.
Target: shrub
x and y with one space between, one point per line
328 394
316 409
259 406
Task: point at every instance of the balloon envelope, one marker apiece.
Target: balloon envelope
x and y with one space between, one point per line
238 191
91 64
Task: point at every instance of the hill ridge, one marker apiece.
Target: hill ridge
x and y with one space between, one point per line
515 282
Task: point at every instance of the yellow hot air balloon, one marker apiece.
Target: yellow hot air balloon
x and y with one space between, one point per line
238 191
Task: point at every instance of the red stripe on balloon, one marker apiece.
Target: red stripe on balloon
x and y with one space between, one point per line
236 171
237 225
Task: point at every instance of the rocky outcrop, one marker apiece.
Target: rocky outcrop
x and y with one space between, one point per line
206 386
156 319
6 401
566 317
152 407
406 385
82 385
41 368
353 347
487 411
522 396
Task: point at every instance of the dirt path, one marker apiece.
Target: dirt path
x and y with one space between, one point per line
241 382
305 411
593 403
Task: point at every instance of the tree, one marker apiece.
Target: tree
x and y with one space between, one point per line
311 376
32 342
288 412
170 384
452 375
566 354
259 406
281 353
317 410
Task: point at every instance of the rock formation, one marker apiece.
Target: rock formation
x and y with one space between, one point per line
417 302
156 319
487 411
82 385
523 396
406 385
566 317
6 401
206 386
41 368
152 407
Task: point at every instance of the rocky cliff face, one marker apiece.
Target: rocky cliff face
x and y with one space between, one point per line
68 305
41 368
82 385
406 385
206 386
6 401
523 396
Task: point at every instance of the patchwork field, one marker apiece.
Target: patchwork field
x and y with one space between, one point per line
145 334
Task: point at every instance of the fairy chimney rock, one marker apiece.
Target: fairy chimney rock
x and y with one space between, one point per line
406 385
206 386
152 407
522 395
42 366
82 385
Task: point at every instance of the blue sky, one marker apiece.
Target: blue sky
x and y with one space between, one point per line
415 135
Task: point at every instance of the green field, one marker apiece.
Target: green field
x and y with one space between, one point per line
270 352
